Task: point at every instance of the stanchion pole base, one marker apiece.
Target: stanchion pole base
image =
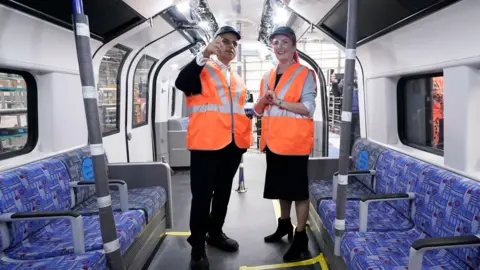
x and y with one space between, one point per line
241 187
241 181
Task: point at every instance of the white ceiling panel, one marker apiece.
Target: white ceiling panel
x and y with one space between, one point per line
160 27
312 10
166 46
148 8
226 13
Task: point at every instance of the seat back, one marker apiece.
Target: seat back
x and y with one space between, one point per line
364 157
398 173
35 187
449 205
80 168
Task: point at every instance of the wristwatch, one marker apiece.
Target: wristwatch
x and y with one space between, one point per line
279 102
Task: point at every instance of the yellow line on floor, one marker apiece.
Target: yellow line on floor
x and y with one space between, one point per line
319 259
178 233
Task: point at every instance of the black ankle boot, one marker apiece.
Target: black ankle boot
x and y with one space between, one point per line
299 246
199 260
284 227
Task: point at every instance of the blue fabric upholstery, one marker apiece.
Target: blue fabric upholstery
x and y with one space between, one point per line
88 261
55 239
381 217
322 190
390 251
79 165
446 205
364 157
396 173
39 186
365 154
149 200
78 162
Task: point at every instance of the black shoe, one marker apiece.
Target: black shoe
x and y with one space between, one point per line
284 227
199 260
222 242
298 247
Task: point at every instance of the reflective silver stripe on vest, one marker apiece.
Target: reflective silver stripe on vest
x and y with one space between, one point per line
226 106
277 111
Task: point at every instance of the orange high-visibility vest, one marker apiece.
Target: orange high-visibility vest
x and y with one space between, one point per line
218 112
285 132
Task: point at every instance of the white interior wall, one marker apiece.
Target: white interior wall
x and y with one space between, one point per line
441 41
48 52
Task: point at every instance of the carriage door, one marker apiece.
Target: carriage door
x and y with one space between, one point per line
139 108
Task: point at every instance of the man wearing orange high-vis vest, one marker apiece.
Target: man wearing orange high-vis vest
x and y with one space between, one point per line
218 134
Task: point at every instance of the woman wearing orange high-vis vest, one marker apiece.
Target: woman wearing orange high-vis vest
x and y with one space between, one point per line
218 133
288 94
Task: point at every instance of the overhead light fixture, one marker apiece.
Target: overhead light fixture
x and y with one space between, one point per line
183 7
204 25
281 16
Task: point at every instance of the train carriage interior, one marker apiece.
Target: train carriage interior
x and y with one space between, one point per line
94 163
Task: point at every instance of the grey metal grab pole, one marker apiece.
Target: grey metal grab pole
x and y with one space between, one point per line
350 53
241 180
111 245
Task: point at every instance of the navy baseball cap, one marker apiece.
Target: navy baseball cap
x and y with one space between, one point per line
228 29
284 30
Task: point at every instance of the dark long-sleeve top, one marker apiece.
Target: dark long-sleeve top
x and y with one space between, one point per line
188 80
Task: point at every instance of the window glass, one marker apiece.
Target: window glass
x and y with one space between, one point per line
420 105
140 90
109 89
16 137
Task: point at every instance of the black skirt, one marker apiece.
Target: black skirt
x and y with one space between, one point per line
286 177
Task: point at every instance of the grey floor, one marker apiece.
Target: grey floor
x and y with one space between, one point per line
249 219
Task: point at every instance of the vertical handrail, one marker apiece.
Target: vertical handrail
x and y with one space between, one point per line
111 245
350 55
241 180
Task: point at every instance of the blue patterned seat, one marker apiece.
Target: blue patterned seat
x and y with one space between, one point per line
150 200
45 186
364 156
55 239
322 189
396 173
381 217
446 205
88 261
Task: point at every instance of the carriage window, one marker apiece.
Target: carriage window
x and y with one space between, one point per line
18 113
140 91
420 112
109 89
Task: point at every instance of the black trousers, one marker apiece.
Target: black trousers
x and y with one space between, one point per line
211 178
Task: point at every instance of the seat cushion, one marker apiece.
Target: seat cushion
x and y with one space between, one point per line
88 261
390 250
35 187
322 190
150 200
381 217
55 239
